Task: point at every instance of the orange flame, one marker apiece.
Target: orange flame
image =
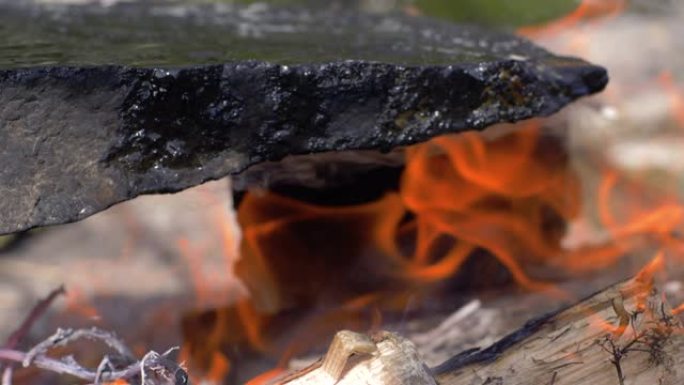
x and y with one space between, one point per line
678 310
78 303
293 251
219 368
493 194
458 194
667 82
648 272
496 195
266 377
587 10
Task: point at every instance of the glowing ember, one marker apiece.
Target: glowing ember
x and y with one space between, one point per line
264 378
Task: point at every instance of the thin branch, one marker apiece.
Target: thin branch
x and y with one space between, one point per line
152 362
18 335
37 312
68 366
153 369
64 337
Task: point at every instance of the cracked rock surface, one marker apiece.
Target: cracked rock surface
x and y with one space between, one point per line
101 104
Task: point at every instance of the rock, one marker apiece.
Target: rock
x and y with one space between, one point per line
101 104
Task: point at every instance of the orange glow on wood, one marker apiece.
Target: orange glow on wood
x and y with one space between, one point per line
118 382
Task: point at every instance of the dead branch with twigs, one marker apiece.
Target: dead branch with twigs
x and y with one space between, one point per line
651 339
152 369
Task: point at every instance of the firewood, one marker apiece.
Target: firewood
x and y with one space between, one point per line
354 359
625 334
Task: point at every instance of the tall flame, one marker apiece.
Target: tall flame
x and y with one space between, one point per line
495 195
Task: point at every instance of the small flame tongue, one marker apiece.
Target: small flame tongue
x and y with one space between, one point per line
586 10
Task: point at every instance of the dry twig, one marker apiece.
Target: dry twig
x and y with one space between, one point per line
152 369
21 332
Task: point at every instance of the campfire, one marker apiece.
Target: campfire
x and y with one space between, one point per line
479 236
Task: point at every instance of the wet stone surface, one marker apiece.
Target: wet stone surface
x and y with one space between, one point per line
101 104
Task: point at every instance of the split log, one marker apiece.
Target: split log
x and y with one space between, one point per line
625 334
354 358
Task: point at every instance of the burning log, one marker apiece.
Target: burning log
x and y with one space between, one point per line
625 334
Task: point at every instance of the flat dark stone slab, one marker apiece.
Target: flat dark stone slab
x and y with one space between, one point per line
99 105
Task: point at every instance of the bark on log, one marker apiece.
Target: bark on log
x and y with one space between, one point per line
625 334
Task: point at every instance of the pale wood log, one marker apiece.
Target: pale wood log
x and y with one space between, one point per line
623 335
356 359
